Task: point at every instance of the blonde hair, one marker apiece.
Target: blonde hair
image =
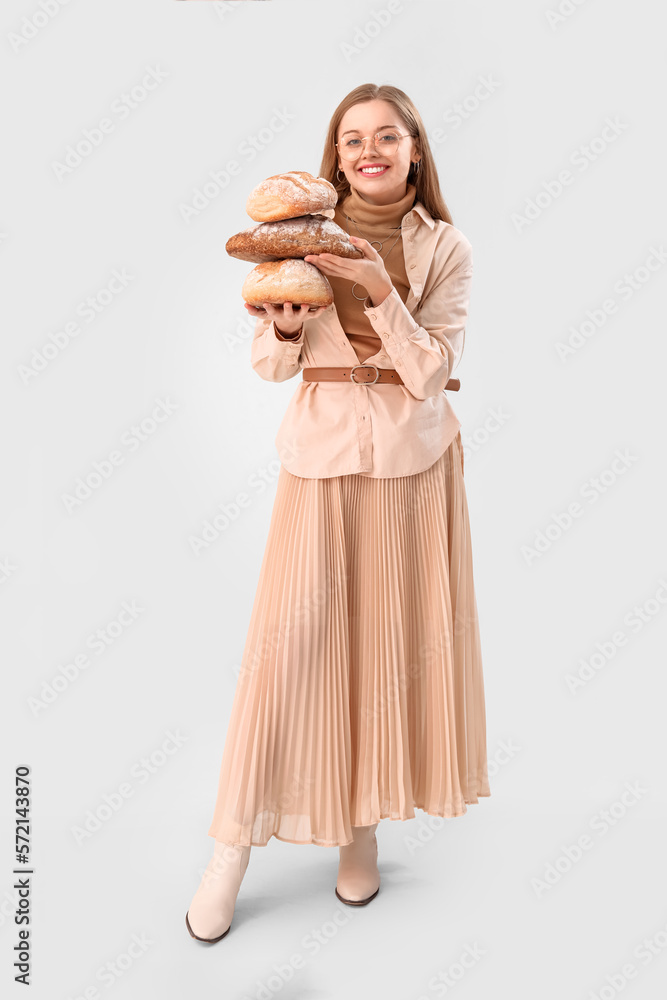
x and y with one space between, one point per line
425 178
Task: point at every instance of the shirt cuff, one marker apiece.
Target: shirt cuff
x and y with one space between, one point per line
287 340
391 319
280 348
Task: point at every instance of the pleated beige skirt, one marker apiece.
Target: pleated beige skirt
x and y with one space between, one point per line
360 695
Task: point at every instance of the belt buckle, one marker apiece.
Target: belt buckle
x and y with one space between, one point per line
353 379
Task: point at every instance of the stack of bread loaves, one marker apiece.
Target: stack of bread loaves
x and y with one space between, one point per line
295 211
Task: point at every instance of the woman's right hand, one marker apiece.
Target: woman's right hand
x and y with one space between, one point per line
287 317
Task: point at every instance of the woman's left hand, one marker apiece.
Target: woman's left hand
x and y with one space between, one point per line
369 272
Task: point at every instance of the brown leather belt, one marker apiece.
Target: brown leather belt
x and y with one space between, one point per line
370 376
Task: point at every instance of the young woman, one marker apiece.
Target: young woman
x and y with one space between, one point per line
360 695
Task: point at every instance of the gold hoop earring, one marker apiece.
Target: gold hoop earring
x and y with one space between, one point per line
339 178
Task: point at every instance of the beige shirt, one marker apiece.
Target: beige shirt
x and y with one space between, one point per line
339 428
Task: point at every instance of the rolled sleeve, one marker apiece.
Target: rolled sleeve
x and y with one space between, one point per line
426 353
274 358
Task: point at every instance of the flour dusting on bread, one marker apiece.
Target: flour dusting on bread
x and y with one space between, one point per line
284 196
295 212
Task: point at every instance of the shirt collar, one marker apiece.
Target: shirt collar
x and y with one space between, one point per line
424 213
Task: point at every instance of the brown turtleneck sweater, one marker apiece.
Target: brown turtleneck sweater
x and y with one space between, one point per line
376 222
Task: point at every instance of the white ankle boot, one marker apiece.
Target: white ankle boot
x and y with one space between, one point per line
212 908
358 875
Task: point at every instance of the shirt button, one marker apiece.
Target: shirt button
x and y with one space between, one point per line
373 316
399 363
412 266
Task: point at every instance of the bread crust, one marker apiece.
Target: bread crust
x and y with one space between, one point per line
307 234
288 195
281 281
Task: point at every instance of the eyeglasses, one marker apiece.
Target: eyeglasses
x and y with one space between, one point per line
386 143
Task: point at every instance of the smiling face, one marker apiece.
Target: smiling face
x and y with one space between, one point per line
378 187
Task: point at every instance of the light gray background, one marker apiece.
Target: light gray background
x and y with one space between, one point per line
179 332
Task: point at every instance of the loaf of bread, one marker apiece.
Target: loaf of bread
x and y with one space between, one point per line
286 196
291 238
280 281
